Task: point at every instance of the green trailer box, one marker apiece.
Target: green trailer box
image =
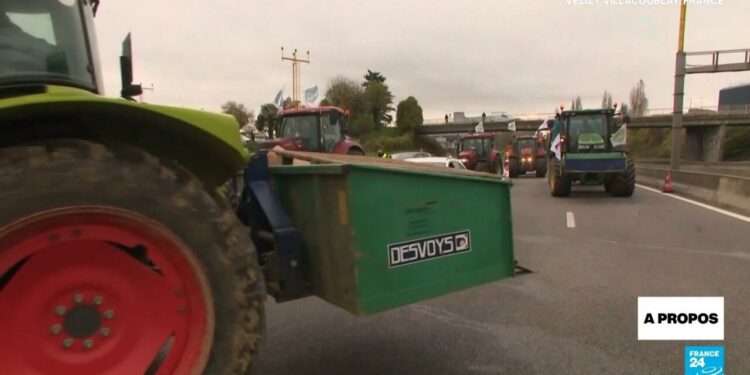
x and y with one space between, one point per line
378 237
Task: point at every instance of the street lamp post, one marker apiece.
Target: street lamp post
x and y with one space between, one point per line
295 72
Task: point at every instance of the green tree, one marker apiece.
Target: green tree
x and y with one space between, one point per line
378 100
373 77
408 115
347 94
266 116
638 99
361 125
239 112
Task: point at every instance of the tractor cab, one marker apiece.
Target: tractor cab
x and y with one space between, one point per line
319 129
587 131
526 146
48 42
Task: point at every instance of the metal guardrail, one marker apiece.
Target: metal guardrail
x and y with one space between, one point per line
734 60
743 109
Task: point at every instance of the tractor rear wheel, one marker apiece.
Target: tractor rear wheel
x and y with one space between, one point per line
112 263
513 168
623 184
559 183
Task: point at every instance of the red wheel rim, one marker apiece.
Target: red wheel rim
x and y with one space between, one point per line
99 290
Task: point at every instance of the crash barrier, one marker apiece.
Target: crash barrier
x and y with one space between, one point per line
722 190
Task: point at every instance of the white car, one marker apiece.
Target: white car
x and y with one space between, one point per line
438 161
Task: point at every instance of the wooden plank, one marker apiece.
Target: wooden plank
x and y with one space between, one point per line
321 158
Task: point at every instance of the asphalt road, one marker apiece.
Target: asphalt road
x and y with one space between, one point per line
575 314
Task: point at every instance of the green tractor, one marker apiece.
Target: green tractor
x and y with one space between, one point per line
588 147
124 250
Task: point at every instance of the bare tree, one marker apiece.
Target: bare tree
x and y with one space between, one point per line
575 104
638 99
607 100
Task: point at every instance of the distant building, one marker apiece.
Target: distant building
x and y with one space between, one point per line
735 99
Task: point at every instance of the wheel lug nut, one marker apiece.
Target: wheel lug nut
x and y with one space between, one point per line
60 310
88 343
78 298
109 314
55 329
104 331
68 342
98 300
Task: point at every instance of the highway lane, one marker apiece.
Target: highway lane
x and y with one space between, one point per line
576 314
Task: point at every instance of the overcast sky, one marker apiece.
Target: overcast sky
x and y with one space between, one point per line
518 56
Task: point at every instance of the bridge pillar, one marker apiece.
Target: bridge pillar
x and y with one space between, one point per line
693 144
713 143
705 143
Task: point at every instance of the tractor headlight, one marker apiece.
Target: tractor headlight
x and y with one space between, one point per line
464 160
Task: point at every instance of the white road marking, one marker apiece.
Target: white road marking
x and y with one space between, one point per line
699 204
570 219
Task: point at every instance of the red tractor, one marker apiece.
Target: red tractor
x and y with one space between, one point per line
482 151
317 129
526 154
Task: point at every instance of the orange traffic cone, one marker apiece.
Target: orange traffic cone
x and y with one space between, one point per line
667 188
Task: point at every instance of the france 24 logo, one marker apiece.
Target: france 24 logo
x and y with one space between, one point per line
704 360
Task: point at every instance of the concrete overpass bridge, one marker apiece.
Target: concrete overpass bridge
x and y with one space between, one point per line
704 132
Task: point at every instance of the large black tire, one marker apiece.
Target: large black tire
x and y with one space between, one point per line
541 168
623 184
559 184
69 173
514 168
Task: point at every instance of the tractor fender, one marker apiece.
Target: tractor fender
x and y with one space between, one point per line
347 144
207 144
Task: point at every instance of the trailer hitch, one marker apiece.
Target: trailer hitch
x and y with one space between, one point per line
276 239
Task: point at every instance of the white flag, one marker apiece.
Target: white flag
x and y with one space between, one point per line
512 126
311 95
479 128
278 101
555 147
620 137
543 126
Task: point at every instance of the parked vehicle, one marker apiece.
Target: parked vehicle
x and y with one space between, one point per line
410 154
438 161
